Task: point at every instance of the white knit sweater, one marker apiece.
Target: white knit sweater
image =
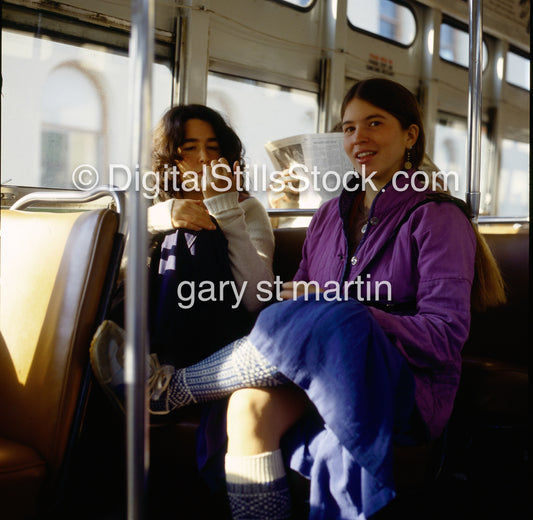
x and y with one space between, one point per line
247 229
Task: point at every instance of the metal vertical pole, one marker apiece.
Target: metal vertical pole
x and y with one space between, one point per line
141 58
474 107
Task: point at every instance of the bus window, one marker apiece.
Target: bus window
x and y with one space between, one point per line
454 46
261 112
450 156
73 112
390 20
71 125
517 70
513 197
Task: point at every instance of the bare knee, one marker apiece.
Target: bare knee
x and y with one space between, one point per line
258 417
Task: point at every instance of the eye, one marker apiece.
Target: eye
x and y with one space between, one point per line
375 122
348 129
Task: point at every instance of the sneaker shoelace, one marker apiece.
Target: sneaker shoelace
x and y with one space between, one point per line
160 377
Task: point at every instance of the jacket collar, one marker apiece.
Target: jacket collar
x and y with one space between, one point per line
387 210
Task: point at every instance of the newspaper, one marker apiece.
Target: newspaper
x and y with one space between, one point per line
318 160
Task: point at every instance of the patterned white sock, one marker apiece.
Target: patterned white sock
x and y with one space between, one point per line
237 365
257 487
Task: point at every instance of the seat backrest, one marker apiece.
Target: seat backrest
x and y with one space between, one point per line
288 252
54 267
502 333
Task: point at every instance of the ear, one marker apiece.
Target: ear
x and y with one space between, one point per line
412 135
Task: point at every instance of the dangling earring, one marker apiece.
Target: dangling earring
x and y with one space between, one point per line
408 164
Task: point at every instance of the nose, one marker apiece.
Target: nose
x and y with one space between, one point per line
355 138
359 136
203 156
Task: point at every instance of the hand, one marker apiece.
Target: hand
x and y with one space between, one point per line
292 290
191 181
219 178
191 214
283 192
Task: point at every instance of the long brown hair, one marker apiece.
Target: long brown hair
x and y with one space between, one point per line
488 288
169 135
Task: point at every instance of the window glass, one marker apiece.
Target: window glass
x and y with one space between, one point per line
517 70
454 46
513 192
71 124
450 156
74 111
385 18
259 113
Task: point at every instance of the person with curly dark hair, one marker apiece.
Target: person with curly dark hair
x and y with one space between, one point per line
206 232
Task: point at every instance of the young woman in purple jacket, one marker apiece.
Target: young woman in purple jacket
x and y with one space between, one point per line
365 349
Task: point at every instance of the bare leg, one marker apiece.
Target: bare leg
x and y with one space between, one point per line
258 417
256 479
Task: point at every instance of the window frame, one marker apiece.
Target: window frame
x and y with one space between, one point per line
76 31
384 38
294 6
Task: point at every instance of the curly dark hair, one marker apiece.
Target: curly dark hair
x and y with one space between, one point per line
169 135
397 101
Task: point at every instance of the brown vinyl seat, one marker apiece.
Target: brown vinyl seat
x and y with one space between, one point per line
494 383
488 437
55 271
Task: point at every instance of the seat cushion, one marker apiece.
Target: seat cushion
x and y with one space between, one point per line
494 390
22 473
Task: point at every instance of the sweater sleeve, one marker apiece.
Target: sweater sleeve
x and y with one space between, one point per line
250 242
160 217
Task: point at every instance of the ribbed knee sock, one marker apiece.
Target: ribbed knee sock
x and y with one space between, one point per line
237 365
257 487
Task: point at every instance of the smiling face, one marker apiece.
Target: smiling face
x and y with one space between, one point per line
374 138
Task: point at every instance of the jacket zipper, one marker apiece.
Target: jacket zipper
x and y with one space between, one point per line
348 260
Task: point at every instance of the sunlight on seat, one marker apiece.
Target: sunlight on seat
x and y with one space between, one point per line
26 284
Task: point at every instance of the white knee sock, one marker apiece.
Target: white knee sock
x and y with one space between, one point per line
257 487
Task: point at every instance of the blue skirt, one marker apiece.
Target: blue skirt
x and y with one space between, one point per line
362 389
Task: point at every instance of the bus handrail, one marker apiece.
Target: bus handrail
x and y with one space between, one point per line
296 212
136 298
309 212
475 70
490 219
118 197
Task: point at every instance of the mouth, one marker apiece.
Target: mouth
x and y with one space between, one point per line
365 156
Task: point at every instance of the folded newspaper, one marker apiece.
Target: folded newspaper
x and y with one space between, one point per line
316 167
317 162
